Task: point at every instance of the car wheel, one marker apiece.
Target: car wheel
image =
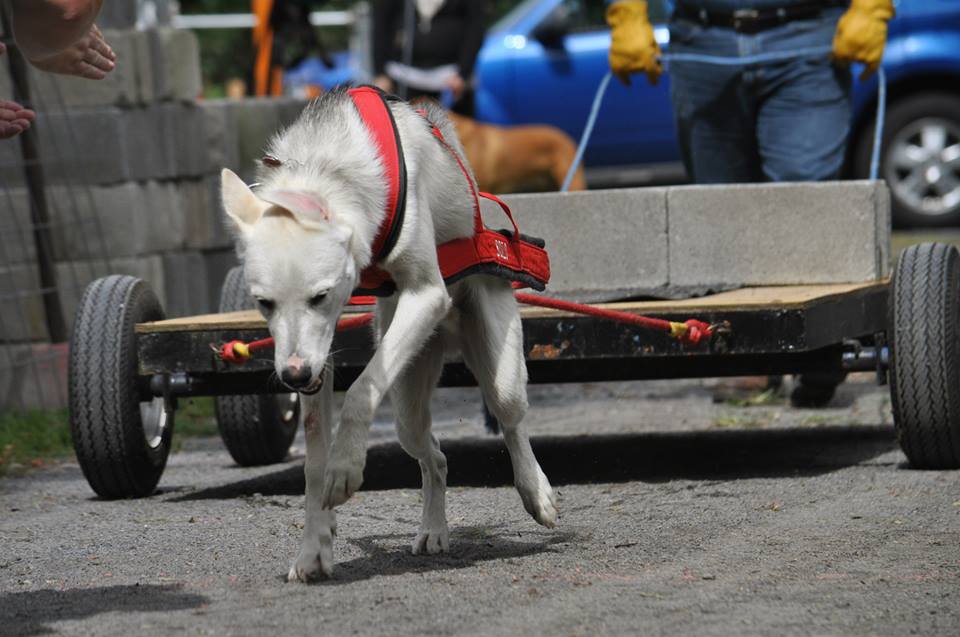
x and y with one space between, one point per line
920 160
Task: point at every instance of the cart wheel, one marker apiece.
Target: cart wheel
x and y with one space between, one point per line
121 443
257 430
925 355
816 389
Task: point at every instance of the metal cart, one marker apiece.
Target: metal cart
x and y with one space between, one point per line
128 366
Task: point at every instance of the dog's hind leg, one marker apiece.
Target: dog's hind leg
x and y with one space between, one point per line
316 549
491 339
411 400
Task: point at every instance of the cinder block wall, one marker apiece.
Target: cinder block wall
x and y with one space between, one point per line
132 167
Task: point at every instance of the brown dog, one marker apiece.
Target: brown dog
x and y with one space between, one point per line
518 158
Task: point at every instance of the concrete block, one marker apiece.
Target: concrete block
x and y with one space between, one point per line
257 120
118 15
219 262
723 237
185 280
81 273
603 244
150 71
119 87
33 376
220 133
183 133
16 227
117 221
179 65
79 146
200 203
22 317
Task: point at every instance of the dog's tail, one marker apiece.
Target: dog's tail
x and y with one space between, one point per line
490 421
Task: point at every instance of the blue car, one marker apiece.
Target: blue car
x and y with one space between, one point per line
542 63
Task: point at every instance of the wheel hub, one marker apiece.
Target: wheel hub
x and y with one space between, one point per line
153 416
924 166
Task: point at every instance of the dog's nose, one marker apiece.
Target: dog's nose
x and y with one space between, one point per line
298 376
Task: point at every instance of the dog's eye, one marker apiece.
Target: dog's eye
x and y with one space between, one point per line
317 299
266 305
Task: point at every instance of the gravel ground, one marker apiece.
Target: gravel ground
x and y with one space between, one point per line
679 517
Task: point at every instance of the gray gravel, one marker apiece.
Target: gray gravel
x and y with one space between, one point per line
700 519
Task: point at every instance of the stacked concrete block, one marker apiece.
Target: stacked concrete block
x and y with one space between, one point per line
33 375
602 244
21 305
778 234
689 240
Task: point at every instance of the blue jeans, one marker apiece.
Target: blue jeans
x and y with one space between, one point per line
782 121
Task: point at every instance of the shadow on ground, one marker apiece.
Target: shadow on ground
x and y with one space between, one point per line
607 458
31 612
468 546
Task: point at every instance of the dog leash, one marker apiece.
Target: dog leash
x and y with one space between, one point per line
777 56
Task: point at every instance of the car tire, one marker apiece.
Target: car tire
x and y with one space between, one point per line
925 355
257 430
919 192
121 442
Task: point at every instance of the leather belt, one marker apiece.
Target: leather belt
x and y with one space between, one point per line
753 20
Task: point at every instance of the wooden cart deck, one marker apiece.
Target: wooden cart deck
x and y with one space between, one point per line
780 329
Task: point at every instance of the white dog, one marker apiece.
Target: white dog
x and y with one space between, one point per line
305 236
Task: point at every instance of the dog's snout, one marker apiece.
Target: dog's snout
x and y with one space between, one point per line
296 376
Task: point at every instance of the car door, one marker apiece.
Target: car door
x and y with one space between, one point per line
556 74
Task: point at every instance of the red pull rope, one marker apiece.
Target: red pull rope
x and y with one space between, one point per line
690 332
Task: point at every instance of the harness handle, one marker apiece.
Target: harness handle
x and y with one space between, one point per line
506 210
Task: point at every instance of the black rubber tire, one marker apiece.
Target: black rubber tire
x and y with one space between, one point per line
925 355
105 418
901 114
256 430
815 390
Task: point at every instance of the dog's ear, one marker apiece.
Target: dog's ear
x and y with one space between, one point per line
242 206
303 205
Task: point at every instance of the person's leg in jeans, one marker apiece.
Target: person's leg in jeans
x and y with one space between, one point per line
803 120
714 117
803 105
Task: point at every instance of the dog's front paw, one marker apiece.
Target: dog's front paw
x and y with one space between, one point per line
312 563
341 481
432 541
541 501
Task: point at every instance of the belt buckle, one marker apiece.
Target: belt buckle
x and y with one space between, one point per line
744 15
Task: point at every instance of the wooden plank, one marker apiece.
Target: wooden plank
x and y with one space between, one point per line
786 297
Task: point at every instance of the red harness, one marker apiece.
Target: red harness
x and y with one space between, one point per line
506 254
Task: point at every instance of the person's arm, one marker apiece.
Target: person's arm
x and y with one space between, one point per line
43 28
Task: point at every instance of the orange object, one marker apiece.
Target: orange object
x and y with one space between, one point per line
267 76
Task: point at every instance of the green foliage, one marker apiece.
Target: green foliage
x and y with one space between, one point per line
195 419
30 437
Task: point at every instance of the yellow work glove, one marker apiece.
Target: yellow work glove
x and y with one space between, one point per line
633 49
862 33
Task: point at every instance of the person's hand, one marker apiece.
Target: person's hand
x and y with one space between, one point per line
90 57
14 119
862 33
633 49
384 83
457 86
